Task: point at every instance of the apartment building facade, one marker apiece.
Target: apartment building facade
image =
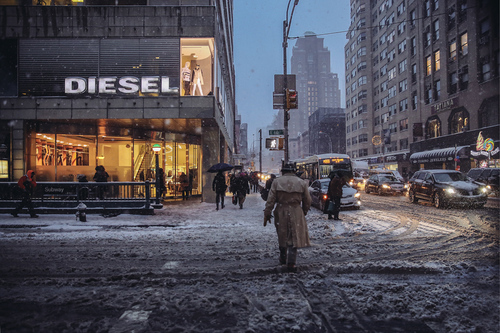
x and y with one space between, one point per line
422 83
97 82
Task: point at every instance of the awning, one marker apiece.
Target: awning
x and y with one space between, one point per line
438 155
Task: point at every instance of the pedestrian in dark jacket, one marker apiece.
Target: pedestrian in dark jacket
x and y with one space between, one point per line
27 185
219 186
100 176
335 195
183 179
241 188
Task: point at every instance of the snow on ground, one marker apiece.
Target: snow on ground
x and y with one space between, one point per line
377 270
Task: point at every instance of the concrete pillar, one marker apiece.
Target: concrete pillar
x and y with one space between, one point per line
210 140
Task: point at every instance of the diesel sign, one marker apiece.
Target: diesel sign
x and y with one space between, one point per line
112 85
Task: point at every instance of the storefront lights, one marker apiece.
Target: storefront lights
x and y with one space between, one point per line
156 148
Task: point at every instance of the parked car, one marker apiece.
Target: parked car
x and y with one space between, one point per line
319 189
384 184
446 187
487 176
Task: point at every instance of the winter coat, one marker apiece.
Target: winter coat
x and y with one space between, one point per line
219 183
27 183
183 179
335 187
292 199
240 186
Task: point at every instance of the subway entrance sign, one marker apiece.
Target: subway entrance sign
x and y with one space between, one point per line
277 132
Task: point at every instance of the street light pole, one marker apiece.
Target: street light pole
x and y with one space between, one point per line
260 150
286 30
156 148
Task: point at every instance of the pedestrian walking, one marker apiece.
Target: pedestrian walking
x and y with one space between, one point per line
100 176
241 188
219 186
27 186
183 179
291 196
335 195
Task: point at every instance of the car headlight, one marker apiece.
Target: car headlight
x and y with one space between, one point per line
484 189
386 186
450 190
406 185
488 187
357 195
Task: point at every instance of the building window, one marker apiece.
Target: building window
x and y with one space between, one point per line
403 85
464 45
463 77
414 73
198 64
392 73
453 82
362 51
437 90
485 71
413 50
376 120
428 94
8 54
435 5
391 36
362 66
436 30
403 105
401 27
427 8
363 138
458 121
403 144
362 80
433 127
392 55
414 100
401 8
451 17
413 17
402 47
437 60
363 152
403 124
462 10
453 50
428 65
393 127
427 37
393 109
384 86
484 27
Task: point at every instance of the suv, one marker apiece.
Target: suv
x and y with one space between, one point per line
488 176
444 187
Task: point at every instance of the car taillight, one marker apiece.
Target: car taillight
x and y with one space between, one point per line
325 197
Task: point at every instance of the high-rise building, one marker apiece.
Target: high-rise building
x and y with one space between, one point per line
316 86
327 131
422 83
99 82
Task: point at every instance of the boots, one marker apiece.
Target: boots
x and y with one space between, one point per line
283 255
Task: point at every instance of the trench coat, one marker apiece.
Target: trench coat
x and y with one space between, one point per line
291 196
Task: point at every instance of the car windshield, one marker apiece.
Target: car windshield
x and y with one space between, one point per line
388 179
324 185
449 177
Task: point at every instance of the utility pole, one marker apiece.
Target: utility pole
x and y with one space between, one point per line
260 150
286 30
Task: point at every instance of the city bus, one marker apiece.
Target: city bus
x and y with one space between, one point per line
320 166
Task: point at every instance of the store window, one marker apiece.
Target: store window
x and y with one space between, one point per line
458 121
433 127
197 62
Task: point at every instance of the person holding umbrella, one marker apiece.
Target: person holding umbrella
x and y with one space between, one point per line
219 186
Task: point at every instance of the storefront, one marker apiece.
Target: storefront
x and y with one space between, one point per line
104 96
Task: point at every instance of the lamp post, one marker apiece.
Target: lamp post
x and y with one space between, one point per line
329 137
156 149
286 30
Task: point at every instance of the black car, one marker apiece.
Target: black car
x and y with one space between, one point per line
445 187
488 176
384 184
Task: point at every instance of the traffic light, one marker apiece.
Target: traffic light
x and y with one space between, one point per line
291 99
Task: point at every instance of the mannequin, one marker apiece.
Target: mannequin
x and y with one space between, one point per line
197 79
186 78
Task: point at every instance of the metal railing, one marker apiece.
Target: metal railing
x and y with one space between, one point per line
125 195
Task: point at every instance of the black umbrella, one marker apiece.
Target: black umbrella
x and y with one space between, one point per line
220 167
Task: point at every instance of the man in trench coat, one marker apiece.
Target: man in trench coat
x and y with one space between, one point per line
291 196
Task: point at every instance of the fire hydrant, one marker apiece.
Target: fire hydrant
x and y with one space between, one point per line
81 213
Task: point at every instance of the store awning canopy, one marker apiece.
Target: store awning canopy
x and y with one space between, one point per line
437 155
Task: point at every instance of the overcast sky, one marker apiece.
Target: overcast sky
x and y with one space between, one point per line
258 52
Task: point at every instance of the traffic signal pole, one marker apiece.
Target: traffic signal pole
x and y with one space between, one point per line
286 30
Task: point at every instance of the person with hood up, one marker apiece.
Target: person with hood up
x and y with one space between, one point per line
219 186
27 185
291 196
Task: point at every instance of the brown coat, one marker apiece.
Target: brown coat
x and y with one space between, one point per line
292 199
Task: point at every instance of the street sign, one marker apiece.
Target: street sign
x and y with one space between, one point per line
277 132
